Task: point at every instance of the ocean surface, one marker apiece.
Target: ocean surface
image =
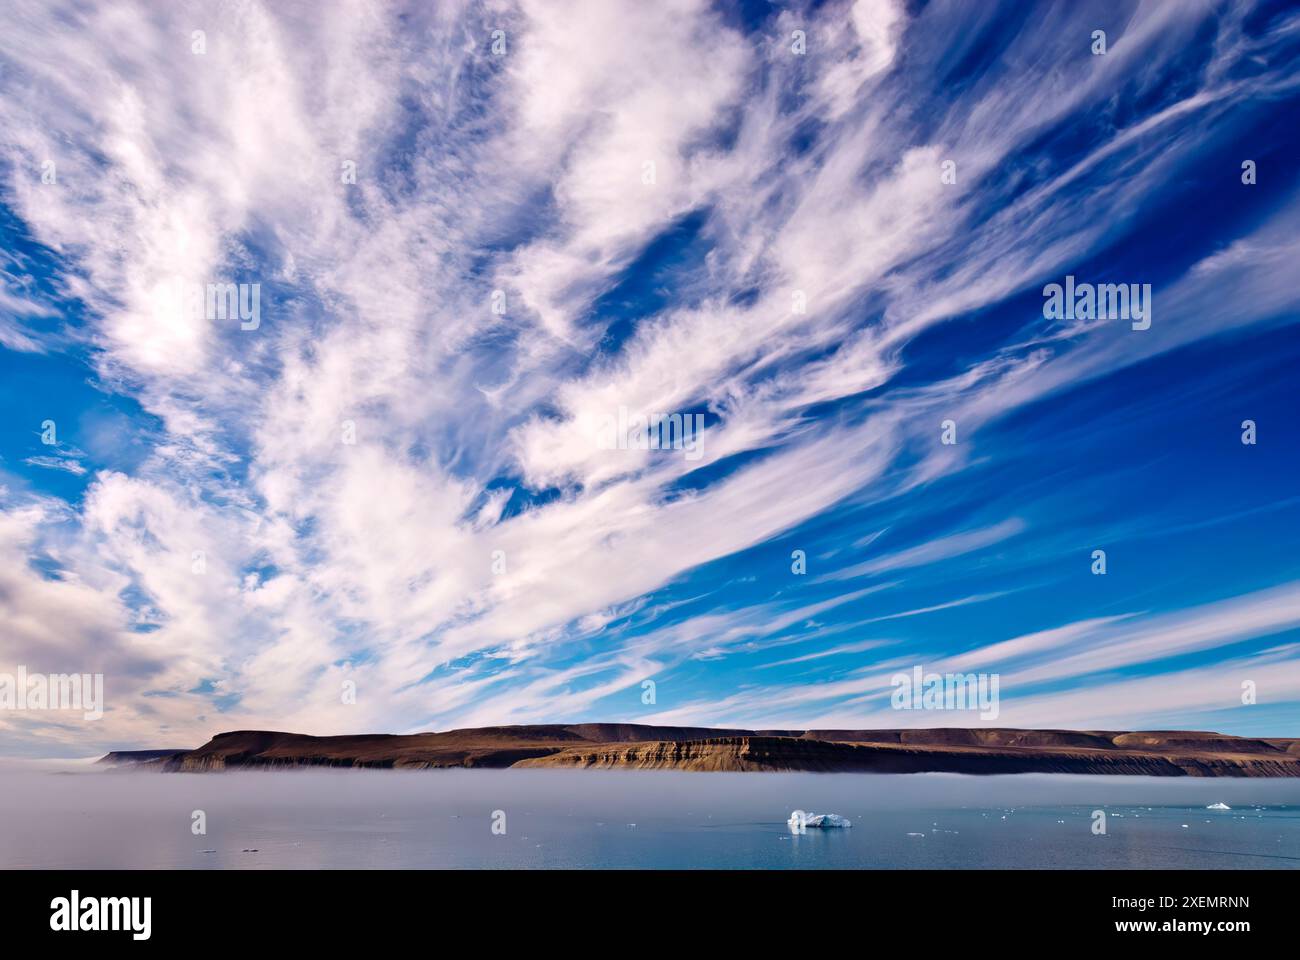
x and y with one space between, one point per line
637 819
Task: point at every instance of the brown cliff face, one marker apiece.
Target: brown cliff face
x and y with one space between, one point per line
637 746
773 753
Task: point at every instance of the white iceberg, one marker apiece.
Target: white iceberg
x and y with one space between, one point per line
819 821
826 820
1218 806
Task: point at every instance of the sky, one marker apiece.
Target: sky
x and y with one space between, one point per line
387 500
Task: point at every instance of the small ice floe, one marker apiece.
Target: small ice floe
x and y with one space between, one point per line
1218 806
1184 826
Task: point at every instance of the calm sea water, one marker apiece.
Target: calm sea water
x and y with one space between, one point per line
625 819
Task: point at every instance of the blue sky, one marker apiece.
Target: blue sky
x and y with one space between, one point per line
826 229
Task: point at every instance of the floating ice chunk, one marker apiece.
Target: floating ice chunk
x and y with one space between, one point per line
800 821
1218 806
